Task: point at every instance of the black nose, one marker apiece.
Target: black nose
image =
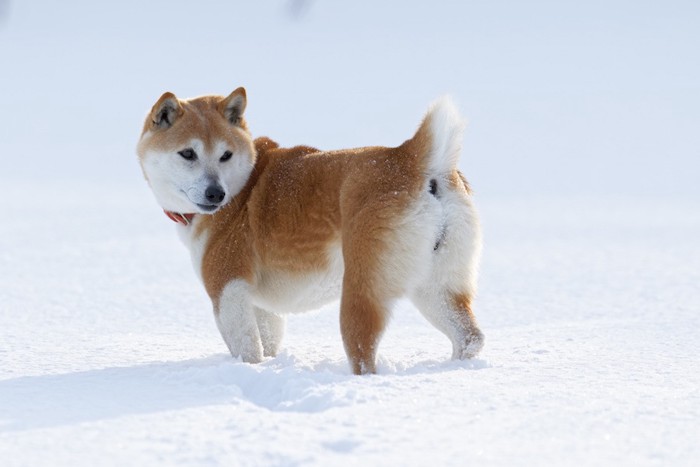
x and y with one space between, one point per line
214 194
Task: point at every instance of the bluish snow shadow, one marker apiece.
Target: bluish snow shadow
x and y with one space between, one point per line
279 384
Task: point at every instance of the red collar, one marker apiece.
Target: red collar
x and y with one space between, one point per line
184 219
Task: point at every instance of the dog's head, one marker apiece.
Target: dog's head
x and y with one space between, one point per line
196 153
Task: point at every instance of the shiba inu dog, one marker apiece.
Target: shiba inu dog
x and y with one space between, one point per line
282 230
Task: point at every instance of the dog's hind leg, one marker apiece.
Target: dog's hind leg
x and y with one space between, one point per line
451 313
271 327
367 291
377 248
237 322
444 295
362 322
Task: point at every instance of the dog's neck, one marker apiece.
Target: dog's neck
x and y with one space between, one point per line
184 219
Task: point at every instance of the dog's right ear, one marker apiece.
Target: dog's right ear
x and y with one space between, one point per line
166 111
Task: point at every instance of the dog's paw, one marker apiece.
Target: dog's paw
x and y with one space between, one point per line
472 345
252 357
270 349
249 350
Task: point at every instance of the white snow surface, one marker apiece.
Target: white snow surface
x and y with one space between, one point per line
110 354
582 148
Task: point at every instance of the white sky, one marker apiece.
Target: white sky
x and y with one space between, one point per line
562 97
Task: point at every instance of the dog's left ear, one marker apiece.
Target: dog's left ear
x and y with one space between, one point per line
233 106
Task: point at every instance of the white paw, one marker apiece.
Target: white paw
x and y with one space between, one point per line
249 349
470 347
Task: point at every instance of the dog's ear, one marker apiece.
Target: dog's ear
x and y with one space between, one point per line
233 106
166 111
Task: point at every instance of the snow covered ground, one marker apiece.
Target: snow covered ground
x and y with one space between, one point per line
583 151
110 355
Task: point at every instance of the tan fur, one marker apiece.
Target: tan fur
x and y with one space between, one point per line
200 116
298 204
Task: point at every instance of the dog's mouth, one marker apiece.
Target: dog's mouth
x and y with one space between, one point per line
203 208
209 208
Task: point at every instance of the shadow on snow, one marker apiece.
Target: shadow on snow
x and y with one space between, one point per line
279 384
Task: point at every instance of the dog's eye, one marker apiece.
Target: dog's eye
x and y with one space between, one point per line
227 155
188 154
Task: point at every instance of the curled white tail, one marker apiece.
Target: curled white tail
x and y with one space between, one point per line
446 129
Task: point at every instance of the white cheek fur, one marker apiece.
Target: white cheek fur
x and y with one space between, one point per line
234 173
159 177
170 180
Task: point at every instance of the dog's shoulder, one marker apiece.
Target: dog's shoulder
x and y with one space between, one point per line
269 149
264 144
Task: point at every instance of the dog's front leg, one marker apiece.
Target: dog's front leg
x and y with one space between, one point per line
235 318
271 328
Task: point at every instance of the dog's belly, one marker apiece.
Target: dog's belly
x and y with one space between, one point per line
291 292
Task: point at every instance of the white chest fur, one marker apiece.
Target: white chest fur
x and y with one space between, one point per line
195 244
